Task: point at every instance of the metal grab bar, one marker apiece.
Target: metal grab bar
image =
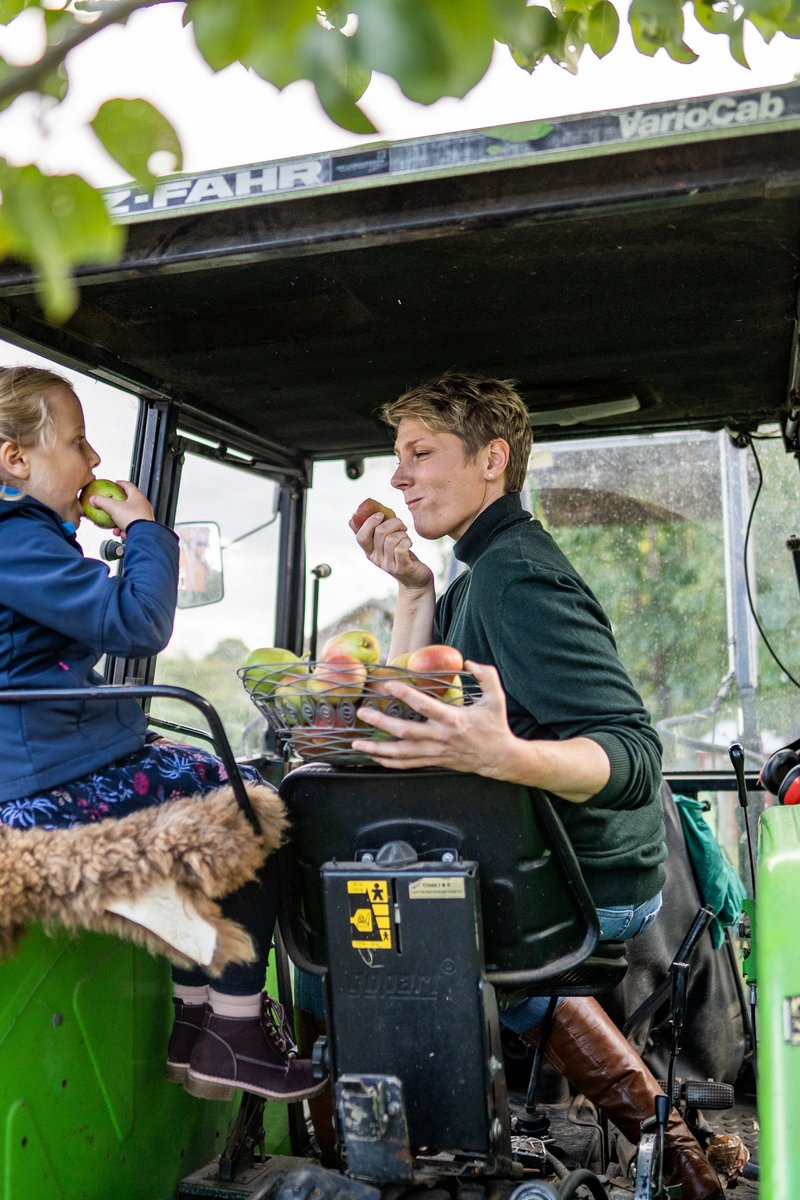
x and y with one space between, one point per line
143 691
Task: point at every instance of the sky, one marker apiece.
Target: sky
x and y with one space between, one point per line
235 118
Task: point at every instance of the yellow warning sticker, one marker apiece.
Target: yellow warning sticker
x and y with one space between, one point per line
437 888
369 914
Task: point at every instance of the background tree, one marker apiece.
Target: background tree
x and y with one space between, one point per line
432 48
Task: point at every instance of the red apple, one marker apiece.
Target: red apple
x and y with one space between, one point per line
368 508
355 643
375 694
439 664
340 677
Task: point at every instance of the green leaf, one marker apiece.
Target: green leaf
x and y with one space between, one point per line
565 41
56 84
768 16
342 109
338 76
54 223
266 32
132 131
602 28
535 36
10 9
569 46
508 17
714 18
336 14
737 43
432 49
58 23
656 23
681 53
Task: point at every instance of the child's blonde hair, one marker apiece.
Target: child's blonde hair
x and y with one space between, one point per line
24 410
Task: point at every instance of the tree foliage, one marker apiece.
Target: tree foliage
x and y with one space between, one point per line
432 48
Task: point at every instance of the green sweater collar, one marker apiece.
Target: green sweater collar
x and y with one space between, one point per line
504 512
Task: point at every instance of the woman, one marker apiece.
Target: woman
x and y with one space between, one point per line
558 711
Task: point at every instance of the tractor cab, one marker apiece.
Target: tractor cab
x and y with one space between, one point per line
635 272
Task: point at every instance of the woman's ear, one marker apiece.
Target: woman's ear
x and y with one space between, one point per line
497 455
13 461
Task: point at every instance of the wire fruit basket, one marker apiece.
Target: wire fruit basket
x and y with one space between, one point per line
315 719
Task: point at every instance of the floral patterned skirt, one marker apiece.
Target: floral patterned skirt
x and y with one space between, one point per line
160 771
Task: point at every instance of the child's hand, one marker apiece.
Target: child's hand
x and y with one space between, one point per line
135 506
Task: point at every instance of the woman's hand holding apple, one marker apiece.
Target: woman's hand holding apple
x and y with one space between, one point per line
386 543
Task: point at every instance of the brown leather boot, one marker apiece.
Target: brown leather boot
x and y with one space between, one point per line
320 1107
586 1046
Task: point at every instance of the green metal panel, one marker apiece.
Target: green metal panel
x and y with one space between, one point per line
85 1110
778 969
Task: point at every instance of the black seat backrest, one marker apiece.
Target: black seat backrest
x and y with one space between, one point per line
538 918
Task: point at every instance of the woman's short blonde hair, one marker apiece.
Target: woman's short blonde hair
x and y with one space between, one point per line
476 411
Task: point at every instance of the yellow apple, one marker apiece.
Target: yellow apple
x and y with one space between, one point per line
455 693
355 643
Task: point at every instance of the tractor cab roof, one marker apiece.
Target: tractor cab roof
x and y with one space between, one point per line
632 270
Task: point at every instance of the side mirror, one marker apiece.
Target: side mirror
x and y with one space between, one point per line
200 564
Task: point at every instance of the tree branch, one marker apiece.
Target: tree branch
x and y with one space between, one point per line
26 78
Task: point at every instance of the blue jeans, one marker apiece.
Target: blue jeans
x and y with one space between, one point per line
619 923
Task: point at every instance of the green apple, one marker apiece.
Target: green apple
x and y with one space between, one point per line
100 487
296 699
268 666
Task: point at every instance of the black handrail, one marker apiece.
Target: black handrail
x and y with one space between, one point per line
147 691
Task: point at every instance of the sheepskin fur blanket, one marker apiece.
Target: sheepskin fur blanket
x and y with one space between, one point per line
66 879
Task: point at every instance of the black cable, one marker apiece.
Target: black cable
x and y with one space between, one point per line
751 605
582 1178
555 1165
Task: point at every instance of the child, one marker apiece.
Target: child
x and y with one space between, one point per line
72 763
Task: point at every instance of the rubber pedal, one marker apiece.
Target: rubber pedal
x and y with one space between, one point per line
701 1093
705 1093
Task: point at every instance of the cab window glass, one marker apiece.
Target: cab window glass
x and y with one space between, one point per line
226 518
656 525
356 595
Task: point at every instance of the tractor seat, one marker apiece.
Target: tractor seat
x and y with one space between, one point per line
540 927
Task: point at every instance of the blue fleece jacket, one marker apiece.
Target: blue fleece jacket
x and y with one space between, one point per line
59 614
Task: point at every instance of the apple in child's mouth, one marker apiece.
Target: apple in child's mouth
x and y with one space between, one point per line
100 487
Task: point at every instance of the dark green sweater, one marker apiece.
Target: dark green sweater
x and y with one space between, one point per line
523 608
